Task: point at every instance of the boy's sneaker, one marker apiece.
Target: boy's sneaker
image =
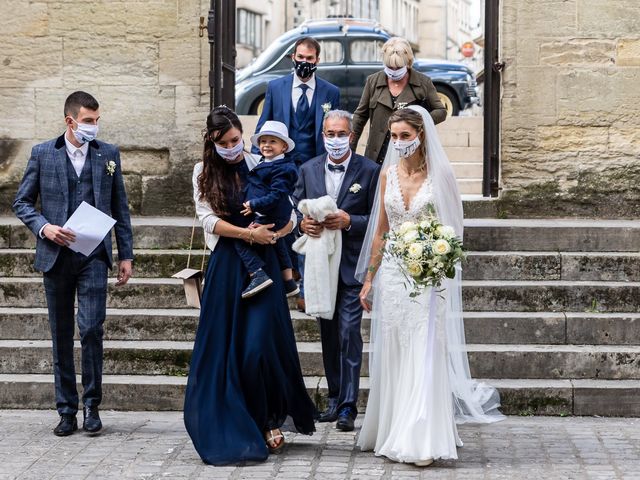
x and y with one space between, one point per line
291 287
259 281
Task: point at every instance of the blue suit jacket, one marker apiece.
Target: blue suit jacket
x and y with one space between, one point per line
278 105
362 171
46 177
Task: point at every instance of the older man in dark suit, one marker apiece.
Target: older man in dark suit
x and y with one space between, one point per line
64 172
351 180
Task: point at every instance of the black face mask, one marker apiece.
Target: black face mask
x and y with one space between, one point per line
304 69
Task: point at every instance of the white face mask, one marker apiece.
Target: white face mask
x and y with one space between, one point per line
336 147
406 148
85 132
396 75
231 154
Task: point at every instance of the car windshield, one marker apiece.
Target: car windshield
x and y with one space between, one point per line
272 53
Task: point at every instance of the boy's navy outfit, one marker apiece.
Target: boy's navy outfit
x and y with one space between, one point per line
269 187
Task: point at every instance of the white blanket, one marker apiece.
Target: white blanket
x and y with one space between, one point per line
322 259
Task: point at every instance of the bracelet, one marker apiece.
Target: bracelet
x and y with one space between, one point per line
250 236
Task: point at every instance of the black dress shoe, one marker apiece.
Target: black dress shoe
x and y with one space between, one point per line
345 420
92 422
329 415
68 424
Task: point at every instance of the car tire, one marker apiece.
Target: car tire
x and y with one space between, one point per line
448 98
257 106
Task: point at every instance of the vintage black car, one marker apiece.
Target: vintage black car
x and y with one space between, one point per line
351 51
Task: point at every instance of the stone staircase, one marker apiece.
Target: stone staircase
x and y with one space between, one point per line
551 313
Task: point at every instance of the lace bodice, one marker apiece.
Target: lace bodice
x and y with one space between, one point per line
397 212
400 315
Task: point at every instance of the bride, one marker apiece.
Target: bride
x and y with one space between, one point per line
420 385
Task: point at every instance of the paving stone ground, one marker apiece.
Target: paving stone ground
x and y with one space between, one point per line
153 445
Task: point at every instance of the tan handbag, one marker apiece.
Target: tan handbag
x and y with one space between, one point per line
192 279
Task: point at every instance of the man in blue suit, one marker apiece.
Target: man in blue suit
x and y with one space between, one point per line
300 101
64 172
351 180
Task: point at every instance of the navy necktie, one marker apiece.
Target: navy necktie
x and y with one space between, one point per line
303 104
335 168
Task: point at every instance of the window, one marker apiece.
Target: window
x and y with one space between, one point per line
331 51
366 51
249 28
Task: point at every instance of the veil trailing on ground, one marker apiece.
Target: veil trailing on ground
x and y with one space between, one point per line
473 401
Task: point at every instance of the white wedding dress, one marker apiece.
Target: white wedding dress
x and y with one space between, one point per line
420 382
409 414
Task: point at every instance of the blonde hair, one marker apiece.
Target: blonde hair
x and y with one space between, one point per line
397 53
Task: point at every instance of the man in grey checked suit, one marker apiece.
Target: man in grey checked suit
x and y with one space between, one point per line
64 172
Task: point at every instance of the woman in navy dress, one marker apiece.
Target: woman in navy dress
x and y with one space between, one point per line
245 378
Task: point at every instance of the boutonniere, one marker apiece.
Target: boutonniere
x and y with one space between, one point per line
401 105
326 107
355 188
111 168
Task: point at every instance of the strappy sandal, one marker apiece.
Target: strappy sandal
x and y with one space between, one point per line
271 438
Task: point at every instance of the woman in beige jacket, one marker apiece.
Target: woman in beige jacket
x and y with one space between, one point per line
397 86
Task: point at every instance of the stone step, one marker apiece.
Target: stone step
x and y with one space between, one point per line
138 293
564 235
570 328
481 234
492 265
550 296
518 397
604 362
470 186
478 295
467 169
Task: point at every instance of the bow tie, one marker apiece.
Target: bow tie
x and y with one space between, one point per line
335 168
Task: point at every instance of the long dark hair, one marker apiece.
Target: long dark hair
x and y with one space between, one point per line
218 182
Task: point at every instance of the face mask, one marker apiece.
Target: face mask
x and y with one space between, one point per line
395 75
230 154
85 132
336 147
304 69
406 148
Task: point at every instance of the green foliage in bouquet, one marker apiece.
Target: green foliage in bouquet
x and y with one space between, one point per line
426 250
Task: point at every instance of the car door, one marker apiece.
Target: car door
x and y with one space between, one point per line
365 58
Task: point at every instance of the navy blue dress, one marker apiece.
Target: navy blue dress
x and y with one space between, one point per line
244 376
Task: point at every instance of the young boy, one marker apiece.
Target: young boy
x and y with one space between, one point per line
270 185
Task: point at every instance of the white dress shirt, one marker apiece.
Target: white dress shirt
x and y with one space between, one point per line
333 179
296 91
77 155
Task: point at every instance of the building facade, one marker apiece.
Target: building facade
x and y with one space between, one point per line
570 120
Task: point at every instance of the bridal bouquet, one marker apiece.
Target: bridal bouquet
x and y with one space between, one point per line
427 252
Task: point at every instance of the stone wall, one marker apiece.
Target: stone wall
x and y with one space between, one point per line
570 108
142 60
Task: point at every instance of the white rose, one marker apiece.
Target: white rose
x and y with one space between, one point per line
445 231
441 247
406 227
425 224
414 269
415 250
410 236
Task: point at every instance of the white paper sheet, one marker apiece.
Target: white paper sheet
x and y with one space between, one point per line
90 226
